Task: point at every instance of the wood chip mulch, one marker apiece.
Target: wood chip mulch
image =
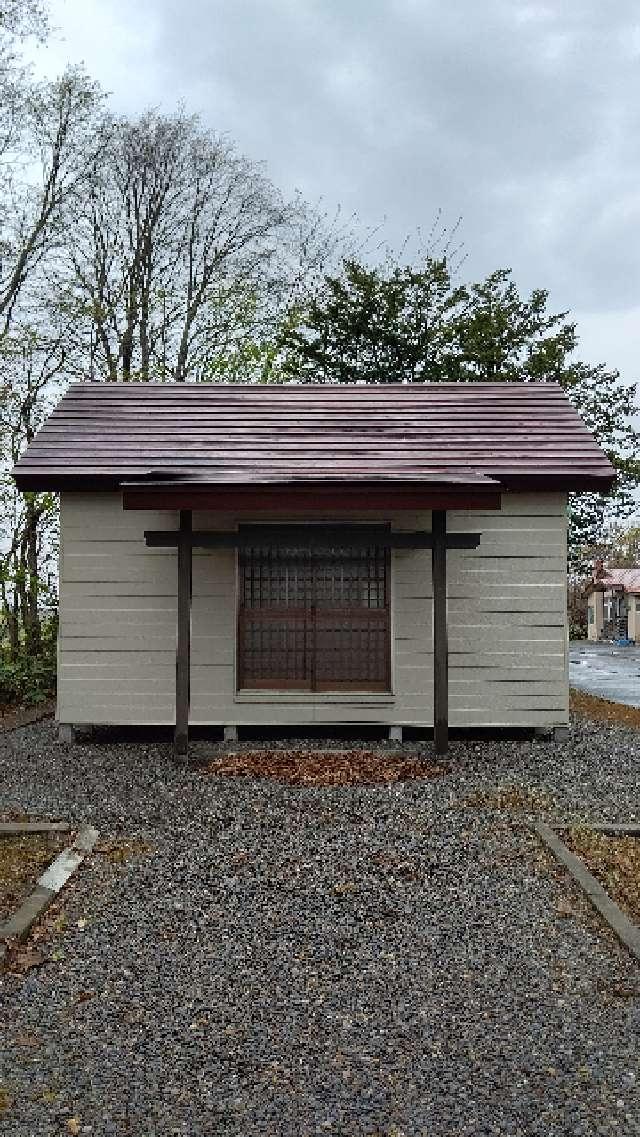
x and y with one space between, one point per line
614 861
13 717
324 768
22 860
603 710
509 799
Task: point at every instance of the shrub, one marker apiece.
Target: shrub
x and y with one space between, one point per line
29 680
26 682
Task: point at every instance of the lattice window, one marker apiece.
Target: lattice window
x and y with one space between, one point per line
314 619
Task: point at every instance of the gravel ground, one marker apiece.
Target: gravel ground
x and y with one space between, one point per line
383 961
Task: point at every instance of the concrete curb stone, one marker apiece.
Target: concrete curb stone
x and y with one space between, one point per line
22 828
48 885
626 931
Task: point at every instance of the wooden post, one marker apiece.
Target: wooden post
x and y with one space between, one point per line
440 637
183 643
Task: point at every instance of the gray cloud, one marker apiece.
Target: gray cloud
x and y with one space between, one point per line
523 117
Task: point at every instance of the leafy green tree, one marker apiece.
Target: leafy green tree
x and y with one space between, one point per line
31 370
607 406
403 324
375 326
498 336
618 546
623 547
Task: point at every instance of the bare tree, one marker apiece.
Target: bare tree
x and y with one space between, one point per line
19 20
48 145
144 249
181 243
58 134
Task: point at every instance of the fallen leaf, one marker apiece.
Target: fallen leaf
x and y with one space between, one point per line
615 861
324 768
118 852
592 707
22 960
345 887
564 910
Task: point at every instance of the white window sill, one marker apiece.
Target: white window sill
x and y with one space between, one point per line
314 697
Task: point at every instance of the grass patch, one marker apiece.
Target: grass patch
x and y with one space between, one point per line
588 706
324 768
22 860
509 799
615 862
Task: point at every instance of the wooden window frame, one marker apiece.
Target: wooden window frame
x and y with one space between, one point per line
309 616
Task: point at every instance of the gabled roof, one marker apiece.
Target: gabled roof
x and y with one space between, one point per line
521 435
626 578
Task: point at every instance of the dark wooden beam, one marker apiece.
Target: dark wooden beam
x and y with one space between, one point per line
440 636
308 499
183 645
309 536
55 479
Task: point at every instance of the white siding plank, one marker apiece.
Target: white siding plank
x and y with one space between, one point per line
506 611
79 658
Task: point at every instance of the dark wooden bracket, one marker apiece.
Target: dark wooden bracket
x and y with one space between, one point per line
316 536
183 644
440 633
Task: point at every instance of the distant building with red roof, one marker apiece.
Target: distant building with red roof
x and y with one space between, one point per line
614 603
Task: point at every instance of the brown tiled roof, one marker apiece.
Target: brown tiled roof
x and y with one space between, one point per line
626 578
522 435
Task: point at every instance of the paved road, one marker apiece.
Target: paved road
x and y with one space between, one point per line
608 671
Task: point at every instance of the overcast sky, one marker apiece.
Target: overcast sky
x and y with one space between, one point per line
523 118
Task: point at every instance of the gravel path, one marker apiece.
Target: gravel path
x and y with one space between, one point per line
388 962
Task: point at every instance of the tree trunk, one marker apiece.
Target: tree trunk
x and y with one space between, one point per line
31 615
11 622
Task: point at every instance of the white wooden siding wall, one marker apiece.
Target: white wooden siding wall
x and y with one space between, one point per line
596 606
508 662
508 615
